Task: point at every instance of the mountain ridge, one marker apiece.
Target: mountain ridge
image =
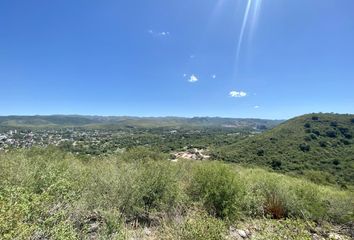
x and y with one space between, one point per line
87 121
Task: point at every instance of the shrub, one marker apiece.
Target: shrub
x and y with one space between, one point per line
307 125
316 132
200 226
339 206
345 132
265 195
348 135
275 205
304 147
276 164
345 141
331 134
113 225
307 138
260 152
315 118
158 187
313 136
308 203
218 188
282 197
142 154
319 177
136 189
334 124
336 162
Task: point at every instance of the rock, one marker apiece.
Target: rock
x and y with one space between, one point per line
242 233
39 236
147 232
335 236
93 236
233 234
93 227
317 237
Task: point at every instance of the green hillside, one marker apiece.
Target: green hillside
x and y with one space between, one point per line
319 146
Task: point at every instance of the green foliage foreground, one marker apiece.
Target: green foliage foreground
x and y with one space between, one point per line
56 195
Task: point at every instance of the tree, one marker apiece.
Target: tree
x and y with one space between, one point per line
331 134
307 125
276 164
334 124
304 147
260 152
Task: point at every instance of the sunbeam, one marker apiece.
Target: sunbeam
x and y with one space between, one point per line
255 16
250 18
243 28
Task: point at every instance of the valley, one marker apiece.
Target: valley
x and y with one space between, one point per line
190 179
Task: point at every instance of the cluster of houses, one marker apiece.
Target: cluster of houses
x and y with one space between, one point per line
44 137
192 154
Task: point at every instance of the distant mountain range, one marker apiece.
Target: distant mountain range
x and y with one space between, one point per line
57 121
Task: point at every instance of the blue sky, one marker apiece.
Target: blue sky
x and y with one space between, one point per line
177 58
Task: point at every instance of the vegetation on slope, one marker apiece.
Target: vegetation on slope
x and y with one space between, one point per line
51 194
318 146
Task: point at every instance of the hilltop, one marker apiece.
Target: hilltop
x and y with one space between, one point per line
318 146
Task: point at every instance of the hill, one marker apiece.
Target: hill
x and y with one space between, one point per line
59 121
319 146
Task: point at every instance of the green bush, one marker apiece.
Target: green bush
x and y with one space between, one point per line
277 196
218 188
158 186
304 147
276 164
307 202
331 134
137 190
260 152
272 197
307 125
200 226
142 154
339 206
319 177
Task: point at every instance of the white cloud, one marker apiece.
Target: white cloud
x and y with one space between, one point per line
184 75
193 79
213 76
256 107
162 34
237 94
